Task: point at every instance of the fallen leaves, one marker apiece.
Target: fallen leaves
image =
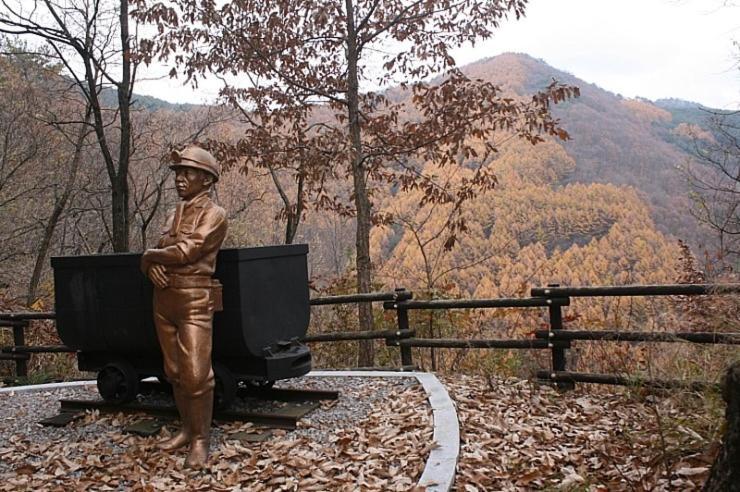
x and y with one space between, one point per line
386 451
516 435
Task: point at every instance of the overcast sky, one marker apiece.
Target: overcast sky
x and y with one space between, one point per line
648 48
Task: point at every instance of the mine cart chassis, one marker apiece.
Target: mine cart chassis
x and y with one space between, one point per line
118 377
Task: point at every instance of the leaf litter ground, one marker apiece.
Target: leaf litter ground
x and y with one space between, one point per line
377 436
515 435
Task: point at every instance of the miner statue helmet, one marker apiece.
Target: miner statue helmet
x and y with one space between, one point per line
198 158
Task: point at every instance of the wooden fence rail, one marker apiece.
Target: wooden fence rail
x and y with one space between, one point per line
557 339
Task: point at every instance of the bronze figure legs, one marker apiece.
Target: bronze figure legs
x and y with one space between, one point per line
184 319
184 435
200 413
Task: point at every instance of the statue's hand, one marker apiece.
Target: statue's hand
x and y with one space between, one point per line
158 275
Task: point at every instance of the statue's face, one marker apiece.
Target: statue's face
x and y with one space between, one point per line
190 181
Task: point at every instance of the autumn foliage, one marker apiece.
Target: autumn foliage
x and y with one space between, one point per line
543 222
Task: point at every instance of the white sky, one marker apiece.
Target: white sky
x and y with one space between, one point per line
647 48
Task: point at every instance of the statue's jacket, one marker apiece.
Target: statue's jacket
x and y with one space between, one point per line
189 244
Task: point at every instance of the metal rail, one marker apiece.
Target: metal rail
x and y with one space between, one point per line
37 349
477 343
615 380
15 357
268 394
288 394
479 303
374 369
397 295
358 335
28 315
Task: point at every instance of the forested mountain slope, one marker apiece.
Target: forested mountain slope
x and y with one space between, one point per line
615 140
605 207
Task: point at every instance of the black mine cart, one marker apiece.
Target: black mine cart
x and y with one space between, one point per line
104 311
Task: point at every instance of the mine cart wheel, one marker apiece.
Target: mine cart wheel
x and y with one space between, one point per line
224 392
118 382
251 383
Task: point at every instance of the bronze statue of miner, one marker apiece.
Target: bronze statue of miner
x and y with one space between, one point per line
185 297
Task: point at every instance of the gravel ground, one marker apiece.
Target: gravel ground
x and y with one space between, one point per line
362 395
20 413
361 439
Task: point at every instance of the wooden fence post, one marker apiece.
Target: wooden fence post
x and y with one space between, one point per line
559 360
403 324
19 339
402 316
725 472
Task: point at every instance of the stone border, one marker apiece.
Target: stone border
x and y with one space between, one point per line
52 386
44 387
439 471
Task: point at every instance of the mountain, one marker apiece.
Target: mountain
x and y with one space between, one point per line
625 142
635 146
673 103
605 207
109 98
629 142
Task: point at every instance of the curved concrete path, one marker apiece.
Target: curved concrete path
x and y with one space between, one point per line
439 471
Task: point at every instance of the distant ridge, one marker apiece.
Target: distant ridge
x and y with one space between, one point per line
673 103
604 207
109 97
614 140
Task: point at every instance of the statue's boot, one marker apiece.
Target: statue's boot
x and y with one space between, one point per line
184 435
200 414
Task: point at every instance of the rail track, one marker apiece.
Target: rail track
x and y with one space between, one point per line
295 404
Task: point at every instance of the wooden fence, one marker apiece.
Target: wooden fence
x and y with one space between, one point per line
557 339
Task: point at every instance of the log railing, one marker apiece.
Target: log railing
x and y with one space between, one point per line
557 338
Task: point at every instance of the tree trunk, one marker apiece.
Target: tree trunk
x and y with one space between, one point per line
119 212
725 473
293 219
118 181
120 187
56 213
366 356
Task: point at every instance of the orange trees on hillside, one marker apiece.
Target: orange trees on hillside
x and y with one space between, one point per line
531 231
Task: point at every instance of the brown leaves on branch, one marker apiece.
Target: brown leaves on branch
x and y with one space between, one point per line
295 60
